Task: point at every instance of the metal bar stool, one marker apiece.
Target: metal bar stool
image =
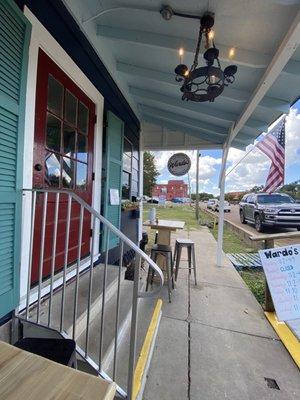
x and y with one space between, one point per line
190 246
165 251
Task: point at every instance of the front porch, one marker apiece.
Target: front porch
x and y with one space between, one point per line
83 93
214 341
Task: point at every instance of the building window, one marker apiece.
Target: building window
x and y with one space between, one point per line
130 172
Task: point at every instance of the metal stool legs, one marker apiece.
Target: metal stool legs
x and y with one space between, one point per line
194 262
169 270
178 250
191 258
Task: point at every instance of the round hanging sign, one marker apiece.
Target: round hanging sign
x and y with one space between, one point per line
179 164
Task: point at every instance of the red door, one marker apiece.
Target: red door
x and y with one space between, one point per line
63 158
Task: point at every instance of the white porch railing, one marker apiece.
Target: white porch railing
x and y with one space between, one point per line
107 230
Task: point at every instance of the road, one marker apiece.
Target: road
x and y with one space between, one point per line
233 216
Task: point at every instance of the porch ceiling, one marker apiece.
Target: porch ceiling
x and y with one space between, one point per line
140 50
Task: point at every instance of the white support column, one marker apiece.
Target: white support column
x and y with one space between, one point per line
141 185
221 209
222 197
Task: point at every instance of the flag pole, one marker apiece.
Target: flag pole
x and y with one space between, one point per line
198 155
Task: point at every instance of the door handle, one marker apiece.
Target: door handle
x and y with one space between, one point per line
38 167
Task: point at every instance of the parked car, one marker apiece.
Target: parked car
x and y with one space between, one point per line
211 203
275 209
227 207
153 200
146 198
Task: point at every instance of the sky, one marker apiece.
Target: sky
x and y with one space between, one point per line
253 170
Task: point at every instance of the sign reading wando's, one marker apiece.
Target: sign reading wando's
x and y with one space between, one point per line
179 164
282 270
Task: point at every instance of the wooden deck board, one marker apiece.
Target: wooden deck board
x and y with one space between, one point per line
27 376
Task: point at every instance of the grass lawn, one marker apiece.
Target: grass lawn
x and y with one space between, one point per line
174 212
256 282
231 242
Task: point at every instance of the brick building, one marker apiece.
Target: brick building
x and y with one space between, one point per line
172 189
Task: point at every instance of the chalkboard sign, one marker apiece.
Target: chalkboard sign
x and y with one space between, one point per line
282 270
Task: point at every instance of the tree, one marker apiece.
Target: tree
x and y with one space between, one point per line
150 173
257 189
292 189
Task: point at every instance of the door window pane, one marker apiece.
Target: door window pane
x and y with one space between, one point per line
135 175
52 170
134 188
125 185
55 96
53 133
82 148
69 141
70 108
81 175
135 163
126 163
83 118
67 172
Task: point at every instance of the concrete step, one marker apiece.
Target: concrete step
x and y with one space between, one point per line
109 325
145 311
83 290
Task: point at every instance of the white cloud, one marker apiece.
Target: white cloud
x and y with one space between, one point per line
254 168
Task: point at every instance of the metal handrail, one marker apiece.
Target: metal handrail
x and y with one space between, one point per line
115 230
108 229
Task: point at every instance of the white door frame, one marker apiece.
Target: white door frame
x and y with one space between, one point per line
41 38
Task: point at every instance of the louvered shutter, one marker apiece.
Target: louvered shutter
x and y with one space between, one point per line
14 43
114 153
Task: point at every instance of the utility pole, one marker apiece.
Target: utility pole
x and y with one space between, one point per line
198 155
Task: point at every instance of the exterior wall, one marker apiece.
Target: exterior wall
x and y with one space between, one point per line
131 223
174 188
55 31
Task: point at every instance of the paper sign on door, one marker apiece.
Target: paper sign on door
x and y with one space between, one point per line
114 197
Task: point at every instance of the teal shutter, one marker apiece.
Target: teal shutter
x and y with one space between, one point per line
14 43
114 155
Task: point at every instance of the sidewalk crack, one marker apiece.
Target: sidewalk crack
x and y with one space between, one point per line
196 321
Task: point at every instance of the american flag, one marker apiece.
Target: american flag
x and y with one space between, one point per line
273 145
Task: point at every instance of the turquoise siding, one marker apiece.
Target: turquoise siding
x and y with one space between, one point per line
14 43
114 153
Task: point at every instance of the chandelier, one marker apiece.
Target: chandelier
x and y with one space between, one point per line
202 83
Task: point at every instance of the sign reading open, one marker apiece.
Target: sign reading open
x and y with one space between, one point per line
179 164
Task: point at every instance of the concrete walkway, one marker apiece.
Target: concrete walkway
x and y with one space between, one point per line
214 341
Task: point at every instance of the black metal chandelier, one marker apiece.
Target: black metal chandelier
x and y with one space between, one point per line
207 82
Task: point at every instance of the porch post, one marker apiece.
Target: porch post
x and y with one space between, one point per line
222 195
221 210
197 184
141 185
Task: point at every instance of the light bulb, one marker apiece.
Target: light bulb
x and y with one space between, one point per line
186 73
212 79
231 52
181 52
211 35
